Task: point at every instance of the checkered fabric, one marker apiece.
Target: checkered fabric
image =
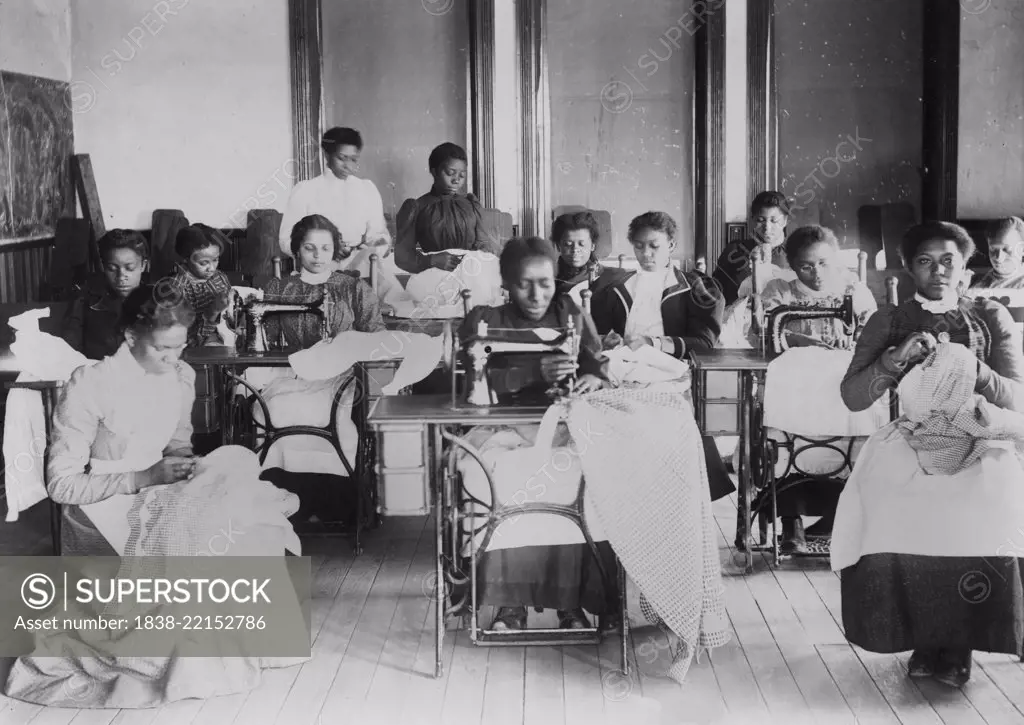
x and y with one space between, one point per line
945 421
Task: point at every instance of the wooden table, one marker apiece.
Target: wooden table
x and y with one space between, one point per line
424 418
750 366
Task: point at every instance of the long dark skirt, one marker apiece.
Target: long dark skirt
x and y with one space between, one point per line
899 602
718 475
553 577
331 499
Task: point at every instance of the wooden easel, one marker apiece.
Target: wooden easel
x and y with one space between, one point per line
89 197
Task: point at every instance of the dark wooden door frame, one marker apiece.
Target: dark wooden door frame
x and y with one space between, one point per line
940 96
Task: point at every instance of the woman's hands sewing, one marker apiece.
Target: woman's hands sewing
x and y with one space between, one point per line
170 469
445 261
555 368
915 348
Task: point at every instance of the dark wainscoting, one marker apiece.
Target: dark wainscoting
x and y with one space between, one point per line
23 267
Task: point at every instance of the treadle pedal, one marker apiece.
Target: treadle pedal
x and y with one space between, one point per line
816 546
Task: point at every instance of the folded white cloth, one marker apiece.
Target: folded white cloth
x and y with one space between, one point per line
802 396
39 356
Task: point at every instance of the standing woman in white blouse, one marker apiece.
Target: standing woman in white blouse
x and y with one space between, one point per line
352 204
661 306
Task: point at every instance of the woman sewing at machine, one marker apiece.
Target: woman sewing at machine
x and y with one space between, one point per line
541 560
564 578
299 463
812 253
934 503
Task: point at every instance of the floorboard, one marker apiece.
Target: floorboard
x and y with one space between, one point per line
372 627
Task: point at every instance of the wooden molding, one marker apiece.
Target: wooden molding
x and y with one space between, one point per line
304 21
709 139
534 117
941 109
762 99
481 99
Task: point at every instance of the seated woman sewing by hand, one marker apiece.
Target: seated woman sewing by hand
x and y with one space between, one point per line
658 305
121 464
904 537
561 577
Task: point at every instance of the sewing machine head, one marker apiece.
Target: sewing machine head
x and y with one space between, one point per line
780 316
246 317
481 347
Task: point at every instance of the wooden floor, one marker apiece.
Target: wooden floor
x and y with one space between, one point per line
373 656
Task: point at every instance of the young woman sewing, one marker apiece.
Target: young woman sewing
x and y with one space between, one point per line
812 253
913 544
122 436
305 464
660 306
561 577
91 324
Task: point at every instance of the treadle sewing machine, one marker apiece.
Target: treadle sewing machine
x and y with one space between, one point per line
781 316
484 344
245 317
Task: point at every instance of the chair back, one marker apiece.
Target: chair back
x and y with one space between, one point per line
1011 299
498 224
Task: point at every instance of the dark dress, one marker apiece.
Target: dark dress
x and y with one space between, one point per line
354 307
437 222
733 266
567 277
561 577
91 322
898 602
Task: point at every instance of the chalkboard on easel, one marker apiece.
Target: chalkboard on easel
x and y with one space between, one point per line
36 143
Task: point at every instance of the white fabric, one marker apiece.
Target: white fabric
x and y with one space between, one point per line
291 402
646 288
890 505
645 365
420 355
766 273
435 293
39 356
529 464
939 307
802 395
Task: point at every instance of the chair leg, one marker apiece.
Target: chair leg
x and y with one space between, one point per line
624 619
55 527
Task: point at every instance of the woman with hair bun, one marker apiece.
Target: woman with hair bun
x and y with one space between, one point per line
121 464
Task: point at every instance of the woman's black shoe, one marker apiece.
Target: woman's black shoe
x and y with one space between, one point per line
954 667
922 663
793 540
823 526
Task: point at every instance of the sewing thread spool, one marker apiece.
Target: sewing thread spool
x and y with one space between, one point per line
276 261
585 296
862 266
891 285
